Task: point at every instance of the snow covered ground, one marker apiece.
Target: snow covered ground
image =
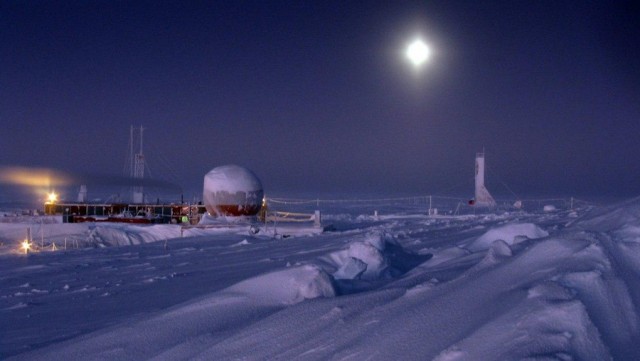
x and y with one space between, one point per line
558 285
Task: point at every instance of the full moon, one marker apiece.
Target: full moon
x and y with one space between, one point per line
418 52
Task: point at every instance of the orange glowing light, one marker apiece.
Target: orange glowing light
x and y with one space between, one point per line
26 246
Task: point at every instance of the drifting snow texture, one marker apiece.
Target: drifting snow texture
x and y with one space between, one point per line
180 332
613 218
574 296
121 235
510 233
288 286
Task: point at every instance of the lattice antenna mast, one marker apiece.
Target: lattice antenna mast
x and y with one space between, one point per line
138 168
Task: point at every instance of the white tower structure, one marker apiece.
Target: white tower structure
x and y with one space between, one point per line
137 167
483 198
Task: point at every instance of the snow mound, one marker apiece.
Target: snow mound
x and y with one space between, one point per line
286 287
365 259
375 256
510 233
447 254
353 268
550 291
498 251
244 242
500 248
126 235
629 233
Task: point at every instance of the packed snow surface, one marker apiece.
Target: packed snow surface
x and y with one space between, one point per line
400 285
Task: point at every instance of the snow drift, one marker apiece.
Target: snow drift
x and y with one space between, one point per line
510 233
536 286
286 287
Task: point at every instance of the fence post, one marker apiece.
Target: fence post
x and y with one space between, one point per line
571 203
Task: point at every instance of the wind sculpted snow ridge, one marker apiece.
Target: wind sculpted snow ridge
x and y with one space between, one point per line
563 285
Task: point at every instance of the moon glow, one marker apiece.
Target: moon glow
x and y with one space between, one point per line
418 52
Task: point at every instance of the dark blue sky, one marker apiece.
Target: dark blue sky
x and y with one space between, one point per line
318 97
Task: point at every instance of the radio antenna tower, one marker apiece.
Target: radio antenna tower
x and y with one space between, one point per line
137 167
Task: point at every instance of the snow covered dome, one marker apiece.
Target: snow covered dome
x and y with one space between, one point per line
231 190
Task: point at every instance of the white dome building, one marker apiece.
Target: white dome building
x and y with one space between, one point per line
231 190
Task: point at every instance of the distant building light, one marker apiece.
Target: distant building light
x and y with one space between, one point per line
26 246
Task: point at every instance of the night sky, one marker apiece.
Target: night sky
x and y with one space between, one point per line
318 97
